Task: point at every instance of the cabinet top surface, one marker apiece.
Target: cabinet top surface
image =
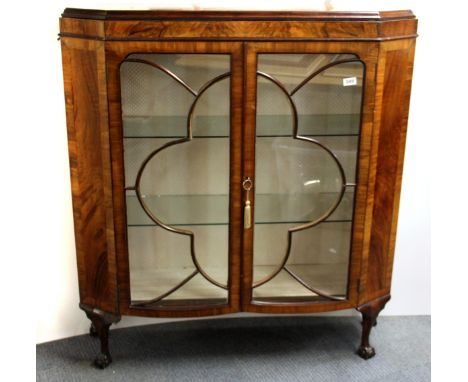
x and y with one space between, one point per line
237 15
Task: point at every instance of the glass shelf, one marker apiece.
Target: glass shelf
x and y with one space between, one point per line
187 210
217 126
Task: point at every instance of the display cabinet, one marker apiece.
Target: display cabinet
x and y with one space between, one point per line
235 161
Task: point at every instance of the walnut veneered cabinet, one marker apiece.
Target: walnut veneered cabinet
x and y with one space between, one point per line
235 161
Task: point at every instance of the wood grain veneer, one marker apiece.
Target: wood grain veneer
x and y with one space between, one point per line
203 25
88 142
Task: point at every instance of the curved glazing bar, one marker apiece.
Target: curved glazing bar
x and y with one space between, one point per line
204 88
164 70
343 186
320 70
140 197
307 286
169 292
313 141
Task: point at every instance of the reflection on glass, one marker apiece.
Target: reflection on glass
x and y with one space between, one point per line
312 175
176 182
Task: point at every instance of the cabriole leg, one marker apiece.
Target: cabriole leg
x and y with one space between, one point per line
369 311
92 330
103 359
100 323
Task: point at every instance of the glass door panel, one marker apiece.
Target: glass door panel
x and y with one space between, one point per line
176 123
307 134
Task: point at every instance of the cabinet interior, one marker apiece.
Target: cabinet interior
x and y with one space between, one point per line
186 184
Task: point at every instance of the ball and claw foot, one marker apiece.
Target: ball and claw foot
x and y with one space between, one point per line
366 352
102 361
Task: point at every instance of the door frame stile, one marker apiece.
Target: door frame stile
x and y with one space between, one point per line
249 115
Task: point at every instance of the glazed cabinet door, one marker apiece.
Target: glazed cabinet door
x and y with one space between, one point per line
176 121
303 123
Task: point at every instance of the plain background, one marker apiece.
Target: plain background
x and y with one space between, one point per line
38 258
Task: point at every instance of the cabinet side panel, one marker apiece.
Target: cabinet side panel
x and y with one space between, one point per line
86 105
392 106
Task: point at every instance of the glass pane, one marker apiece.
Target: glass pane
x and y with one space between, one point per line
142 86
177 188
305 174
324 105
319 254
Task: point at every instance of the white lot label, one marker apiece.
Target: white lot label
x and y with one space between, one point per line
350 81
